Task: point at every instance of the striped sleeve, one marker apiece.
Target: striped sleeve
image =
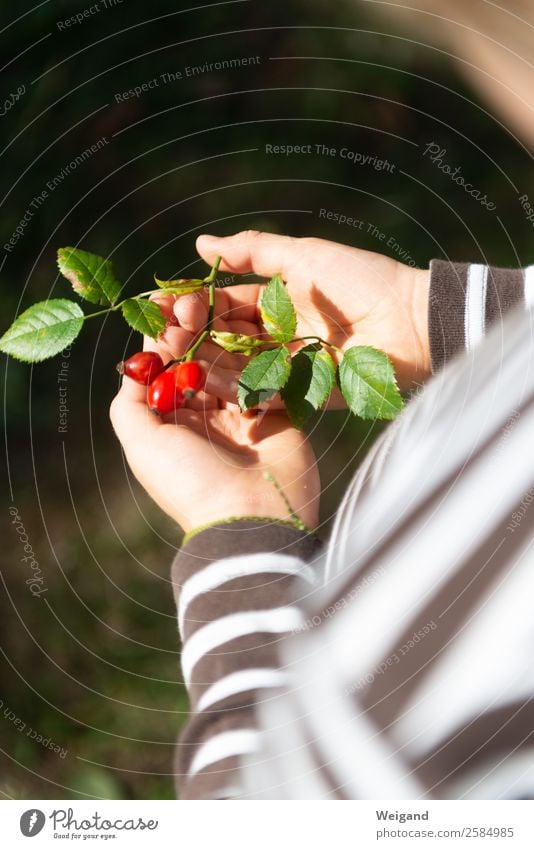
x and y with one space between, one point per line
466 298
238 589
408 671
416 677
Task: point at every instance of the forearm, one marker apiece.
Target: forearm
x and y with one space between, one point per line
236 587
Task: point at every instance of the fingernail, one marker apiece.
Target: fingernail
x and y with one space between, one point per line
209 238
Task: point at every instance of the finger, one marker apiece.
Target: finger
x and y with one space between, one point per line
132 421
247 328
172 343
236 303
166 304
202 401
211 353
135 425
223 383
242 302
263 253
174 340
191 311
158 451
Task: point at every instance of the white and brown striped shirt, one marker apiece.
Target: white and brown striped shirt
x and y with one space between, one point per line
399 661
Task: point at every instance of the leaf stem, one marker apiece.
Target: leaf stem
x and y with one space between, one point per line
317 339
190 353
103 312
152 292
209 279
214 269
211 305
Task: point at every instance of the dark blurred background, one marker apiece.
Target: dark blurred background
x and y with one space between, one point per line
90 690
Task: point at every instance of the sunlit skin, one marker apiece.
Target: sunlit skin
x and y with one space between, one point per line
206 461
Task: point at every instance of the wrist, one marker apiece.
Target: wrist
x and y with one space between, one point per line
263 521
418 286
268 507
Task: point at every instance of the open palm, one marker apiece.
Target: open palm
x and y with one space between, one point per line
207 461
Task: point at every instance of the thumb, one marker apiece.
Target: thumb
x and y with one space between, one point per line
132 421
263 253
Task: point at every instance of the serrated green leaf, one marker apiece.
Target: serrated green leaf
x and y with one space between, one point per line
367 381
182 286
43 330
237 343
323 374
91 276
277 311
312 379
144 316
263 377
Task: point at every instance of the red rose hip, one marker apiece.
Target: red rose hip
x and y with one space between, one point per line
189 378
143 367
163 395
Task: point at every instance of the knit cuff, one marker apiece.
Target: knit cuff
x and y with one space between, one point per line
465 299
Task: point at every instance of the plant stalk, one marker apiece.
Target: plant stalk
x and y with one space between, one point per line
316 339
206 332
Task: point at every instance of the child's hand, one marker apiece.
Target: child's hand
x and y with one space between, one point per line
202 463
345 295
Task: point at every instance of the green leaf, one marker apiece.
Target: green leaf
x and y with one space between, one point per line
263 377
237 343
43 330
367 381
92 276
277 311
182 286
144 316
312 379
